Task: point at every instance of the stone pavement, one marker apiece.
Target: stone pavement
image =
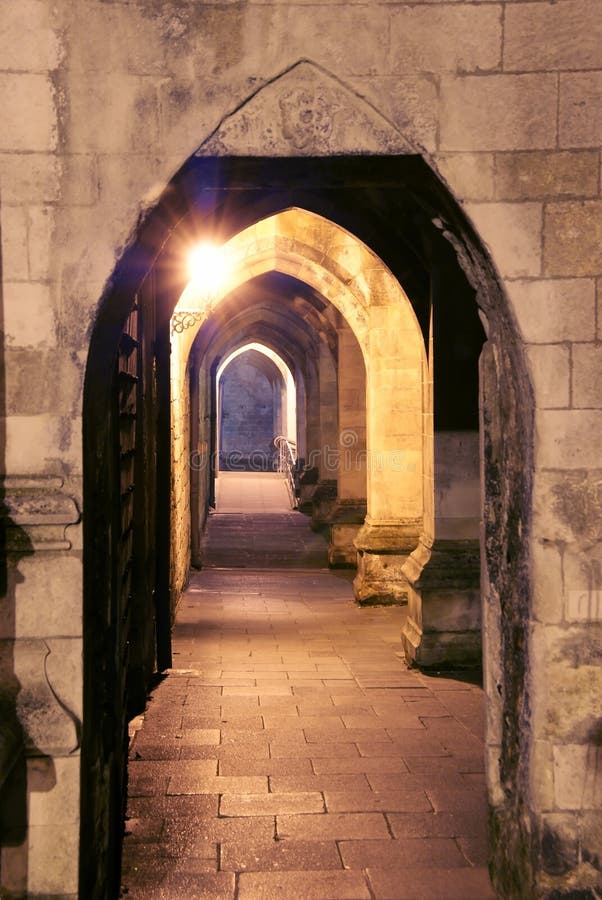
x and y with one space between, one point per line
251 493
290 752
254 526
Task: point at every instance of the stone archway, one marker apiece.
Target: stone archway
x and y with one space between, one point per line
336 121
399 447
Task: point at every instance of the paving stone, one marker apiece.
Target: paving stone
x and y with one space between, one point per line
368 801
174 807
434 852
457 799
312 751
216 784
284 854
186 836
147 830
319 783
409 883
363 764
333 826
176 884
271 804
475 848
438 824
283 766
306 884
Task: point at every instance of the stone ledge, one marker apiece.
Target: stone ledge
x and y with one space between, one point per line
35 514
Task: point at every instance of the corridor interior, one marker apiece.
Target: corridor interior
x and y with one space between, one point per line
291 751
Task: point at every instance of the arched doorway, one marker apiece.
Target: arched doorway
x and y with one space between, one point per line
398 208
256 403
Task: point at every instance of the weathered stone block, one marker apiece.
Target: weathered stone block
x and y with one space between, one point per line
550 372
591 838
64 668
46 597
34 178
40 444
559 845
553 36
48 726
498 112
27 39
573 238
542 774
568 439
436 38
52 864
24 304
583 577
580 120
548 596
113 114
551 310
587 375
577 784
567 506
53 790
469 175
568 681
28 113
540 174
41 381
41 223
410 102
15 256
513 233
191 109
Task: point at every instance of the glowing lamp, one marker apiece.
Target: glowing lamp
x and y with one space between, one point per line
208 272
207 269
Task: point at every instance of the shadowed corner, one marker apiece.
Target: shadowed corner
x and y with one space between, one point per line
17 780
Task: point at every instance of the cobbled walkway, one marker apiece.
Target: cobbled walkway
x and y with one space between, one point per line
290 753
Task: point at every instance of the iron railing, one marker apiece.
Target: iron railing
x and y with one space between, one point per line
287 463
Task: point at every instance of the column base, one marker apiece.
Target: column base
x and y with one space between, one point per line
443 628
345 524
382 551
323 503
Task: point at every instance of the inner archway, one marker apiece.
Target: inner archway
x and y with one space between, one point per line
399 450
256 403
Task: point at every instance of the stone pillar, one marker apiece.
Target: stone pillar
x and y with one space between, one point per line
308 478
40 686
443 627
396 374
324 496
349 512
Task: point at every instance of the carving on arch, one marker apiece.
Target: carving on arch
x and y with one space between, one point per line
305 111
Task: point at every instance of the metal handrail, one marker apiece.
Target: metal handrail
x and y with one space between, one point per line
287 462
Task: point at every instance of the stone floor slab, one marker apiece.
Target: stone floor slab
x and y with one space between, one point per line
405 883
306 884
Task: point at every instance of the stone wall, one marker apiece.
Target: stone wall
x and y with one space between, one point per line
103 101
250 407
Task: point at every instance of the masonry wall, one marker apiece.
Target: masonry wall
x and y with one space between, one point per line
180 475
250 404
102 102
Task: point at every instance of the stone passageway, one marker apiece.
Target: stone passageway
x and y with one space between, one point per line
290 752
